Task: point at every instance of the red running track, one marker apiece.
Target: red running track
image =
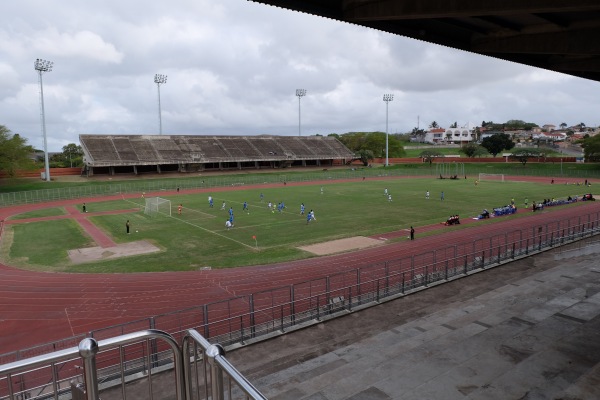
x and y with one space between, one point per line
38 307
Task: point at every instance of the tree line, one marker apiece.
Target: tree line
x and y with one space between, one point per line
370 145
16 155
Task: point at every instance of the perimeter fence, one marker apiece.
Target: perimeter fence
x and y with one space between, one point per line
93 189
193 370
202 182
244 319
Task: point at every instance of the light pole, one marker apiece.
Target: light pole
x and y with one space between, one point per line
42 66
387 98
561 164
300 93
159 79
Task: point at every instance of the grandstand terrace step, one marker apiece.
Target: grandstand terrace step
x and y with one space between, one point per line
526 327
192 153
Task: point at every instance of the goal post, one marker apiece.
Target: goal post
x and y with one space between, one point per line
157 205
491 177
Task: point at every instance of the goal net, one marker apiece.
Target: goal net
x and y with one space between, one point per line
157 205
491 177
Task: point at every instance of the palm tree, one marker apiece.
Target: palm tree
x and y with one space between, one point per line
477 133
434 125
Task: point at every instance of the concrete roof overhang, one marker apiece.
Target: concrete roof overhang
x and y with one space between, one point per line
556 35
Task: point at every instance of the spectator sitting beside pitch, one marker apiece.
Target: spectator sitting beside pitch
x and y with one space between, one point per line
485 214
559 202
506 210
568 200
452 220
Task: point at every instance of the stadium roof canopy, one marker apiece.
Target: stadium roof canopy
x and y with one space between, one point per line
125 150
557 35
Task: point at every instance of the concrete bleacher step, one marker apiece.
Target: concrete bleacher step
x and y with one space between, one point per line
526 329
126 149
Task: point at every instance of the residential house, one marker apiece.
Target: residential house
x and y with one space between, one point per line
435 136
548 127
461 135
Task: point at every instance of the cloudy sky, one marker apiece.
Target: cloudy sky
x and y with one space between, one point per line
233 68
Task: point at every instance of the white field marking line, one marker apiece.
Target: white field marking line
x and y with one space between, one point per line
256 206
346 194
133 202
215 233
194 211
69 321
186 209
357 233
192 220
227 290
263 206
204 229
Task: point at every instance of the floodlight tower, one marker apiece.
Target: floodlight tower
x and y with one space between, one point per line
387 98
300 93
159 80
42 66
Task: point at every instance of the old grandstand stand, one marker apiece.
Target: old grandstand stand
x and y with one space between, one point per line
110 154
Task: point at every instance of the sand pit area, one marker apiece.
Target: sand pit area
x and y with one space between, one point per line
90 254
341 245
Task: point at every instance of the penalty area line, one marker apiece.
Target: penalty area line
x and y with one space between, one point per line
215 233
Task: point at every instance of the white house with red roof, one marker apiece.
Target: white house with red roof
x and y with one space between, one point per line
435 135
550 136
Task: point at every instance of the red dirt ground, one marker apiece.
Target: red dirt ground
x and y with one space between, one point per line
37 307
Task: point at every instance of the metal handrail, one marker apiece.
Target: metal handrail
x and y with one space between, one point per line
214 356
87 350
522 240
317 306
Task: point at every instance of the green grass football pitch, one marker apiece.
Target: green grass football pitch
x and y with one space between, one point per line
198 238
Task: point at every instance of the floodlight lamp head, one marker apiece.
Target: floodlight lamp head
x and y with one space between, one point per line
388 97
43 65
300 92
158 78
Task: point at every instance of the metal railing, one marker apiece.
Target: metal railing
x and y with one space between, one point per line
266 312
87 190
253 317
89 355
274 312
208 373
200 369
260 315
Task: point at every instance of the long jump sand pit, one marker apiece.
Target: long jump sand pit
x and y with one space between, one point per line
341 245
89 254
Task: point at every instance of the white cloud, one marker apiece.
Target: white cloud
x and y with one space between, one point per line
233 67
81 44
